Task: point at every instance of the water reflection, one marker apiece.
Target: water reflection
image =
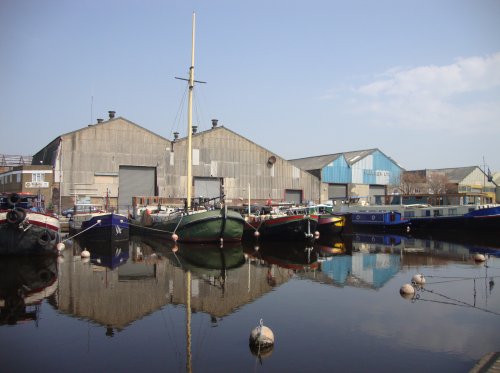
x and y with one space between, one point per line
24 283
352 288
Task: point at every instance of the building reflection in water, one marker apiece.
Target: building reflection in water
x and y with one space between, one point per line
126 282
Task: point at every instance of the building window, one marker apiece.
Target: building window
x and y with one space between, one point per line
36 177
18 178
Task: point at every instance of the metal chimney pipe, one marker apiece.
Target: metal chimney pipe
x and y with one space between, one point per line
195 128
100 120
111 114
214 123
176 135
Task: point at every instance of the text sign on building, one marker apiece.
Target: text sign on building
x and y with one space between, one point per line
36 184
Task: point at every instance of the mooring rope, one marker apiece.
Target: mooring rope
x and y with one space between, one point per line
92 226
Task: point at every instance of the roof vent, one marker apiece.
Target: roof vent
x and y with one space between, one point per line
100 120
176 135
195 129
111 114
214 123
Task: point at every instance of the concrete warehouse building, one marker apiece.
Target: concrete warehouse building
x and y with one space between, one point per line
119 159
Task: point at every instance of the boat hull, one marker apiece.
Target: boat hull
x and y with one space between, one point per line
374 221
197 227
100 227
289 227
35 234
478 221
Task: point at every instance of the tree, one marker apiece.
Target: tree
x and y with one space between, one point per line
438 183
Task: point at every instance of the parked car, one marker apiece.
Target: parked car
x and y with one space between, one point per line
79 209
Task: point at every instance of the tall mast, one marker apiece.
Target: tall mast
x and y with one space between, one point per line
190 120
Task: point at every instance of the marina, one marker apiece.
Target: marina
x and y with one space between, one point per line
193 306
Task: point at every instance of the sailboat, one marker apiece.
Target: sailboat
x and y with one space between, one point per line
193 225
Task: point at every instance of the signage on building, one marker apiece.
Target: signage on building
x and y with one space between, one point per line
377 172
36 184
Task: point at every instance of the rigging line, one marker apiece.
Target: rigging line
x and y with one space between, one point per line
459 305
459 301
177 119
171 334
461 279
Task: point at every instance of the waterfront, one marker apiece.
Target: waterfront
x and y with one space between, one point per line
333 306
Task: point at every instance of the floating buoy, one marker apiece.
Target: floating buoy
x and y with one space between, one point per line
316 234
85 254
407 289
418 279
60 246
256 234
175 237
407 228
261 336
479 257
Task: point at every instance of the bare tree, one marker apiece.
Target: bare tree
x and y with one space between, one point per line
438 183
410 182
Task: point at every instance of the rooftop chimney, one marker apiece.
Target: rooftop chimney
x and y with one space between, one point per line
214 123
195 128
100 120
111 114
176 135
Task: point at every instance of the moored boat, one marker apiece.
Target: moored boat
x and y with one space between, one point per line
25 229
201 226
281 226
192 225
383 221
462 219
100 226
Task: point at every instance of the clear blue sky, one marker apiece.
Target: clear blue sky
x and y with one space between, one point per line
420 80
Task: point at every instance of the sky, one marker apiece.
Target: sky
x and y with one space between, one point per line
419 80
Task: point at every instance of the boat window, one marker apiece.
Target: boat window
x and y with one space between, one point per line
452 211
427 212
437 213
409 214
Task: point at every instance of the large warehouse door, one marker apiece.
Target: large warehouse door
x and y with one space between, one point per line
206 187
376 194
135 181
294 196
337 191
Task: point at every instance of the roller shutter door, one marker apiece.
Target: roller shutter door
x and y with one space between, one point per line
135 181
294 196
206 187
376 193
337 191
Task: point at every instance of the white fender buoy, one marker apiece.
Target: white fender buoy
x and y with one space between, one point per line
85 254
479 257
316 234
175 237
60 246
256 234
262 336
407 289
418 279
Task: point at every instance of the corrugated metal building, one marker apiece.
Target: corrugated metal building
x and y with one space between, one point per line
464 185
364 173
120 159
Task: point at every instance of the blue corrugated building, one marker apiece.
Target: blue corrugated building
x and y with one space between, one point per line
368 174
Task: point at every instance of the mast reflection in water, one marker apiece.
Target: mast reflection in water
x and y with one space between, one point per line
192 307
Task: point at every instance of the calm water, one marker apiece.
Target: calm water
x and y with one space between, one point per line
333 306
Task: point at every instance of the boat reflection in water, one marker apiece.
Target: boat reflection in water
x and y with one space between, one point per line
24 283
109 254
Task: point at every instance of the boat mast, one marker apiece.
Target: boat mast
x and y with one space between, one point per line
190 120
